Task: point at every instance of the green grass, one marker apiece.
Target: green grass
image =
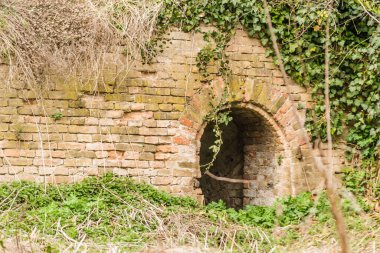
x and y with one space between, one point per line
112 211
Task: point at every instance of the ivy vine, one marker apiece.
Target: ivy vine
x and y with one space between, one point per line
214 53
299 27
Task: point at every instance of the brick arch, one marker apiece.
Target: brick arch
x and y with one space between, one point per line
264 144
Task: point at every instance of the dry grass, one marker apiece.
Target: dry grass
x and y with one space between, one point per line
191 233
363 233
177 232
38 37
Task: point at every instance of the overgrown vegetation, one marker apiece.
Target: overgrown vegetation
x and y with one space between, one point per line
299 26
364 183
112 211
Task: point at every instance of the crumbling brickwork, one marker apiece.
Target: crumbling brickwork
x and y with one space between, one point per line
149 124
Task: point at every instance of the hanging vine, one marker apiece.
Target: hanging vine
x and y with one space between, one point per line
214 52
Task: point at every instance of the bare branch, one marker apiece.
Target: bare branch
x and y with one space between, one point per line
227 179
368 12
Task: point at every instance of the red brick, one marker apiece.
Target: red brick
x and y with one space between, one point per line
186 122
180 140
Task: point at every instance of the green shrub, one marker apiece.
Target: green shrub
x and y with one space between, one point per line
294 209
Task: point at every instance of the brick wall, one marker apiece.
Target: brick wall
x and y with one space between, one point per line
148 124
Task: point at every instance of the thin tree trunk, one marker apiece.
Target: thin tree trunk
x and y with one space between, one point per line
327 172
334 199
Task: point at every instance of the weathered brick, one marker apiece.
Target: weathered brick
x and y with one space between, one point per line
178 92
115 155
15 102
11 152
50 162
161 180
165 107
176 100
71 145
152 131
146 156
132 138
100 146
165 139
78 162
161 156
65 95
8 110
82 153
151 99
177 107
77 113
152 107
151 139
156 164
128 155
83 129
173 115
151 123
14 170
163 123
21 161
135 164
157 91
119 97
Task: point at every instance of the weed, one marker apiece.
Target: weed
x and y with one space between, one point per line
300 106
280 159
57 116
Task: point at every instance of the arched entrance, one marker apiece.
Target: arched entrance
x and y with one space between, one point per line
253 150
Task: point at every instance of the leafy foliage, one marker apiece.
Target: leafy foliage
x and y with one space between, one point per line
57 116
286 211
364 183
295 209
101 201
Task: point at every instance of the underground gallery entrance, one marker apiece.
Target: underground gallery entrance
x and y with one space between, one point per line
249 151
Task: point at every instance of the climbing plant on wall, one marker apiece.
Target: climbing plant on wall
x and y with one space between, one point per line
354 61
